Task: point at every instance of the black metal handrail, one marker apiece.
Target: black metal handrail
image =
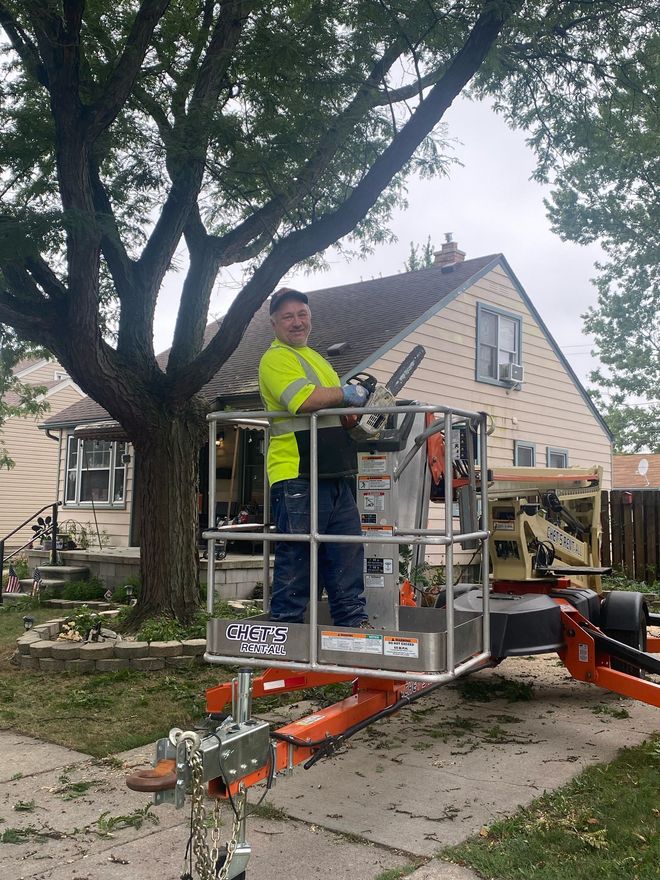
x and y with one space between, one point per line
48 529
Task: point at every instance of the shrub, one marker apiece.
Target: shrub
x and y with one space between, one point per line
119 593
84 591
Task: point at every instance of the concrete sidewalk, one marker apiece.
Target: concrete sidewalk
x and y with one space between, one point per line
402 789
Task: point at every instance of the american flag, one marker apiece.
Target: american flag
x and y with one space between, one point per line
37 580
13 583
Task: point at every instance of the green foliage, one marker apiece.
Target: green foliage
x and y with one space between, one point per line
603 152
420 257
119 593
602 824
163 629
91 590
82 622
619 580
496 687
107 824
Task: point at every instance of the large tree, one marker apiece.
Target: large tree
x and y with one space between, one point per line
255 133
603 156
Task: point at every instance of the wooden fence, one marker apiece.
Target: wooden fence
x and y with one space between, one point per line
631 532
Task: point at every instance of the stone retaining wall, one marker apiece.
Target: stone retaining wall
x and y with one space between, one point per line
40 649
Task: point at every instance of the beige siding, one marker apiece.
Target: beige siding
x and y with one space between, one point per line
114 523
31 483
548 410
44 374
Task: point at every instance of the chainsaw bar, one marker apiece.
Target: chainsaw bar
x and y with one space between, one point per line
405 370
368 427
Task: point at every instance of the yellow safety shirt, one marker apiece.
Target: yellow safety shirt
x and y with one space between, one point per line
287 376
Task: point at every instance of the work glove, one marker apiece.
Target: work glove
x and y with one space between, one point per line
355 395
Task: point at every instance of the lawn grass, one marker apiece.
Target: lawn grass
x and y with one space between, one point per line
99 714
604 824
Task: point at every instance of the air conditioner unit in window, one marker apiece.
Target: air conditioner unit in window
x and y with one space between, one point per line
513 373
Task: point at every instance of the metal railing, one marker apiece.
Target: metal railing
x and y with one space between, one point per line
48 529
446 538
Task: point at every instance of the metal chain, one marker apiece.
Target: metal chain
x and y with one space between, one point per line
206 858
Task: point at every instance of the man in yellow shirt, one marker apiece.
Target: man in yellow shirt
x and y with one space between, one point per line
295 378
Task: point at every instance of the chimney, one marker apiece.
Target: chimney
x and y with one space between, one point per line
449 254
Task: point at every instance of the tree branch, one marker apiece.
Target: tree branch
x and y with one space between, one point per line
23 46
122 78
300 245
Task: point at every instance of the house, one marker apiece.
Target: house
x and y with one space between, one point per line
486 349
640 470
32 482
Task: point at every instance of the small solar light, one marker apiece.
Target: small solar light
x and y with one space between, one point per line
28 622
129 592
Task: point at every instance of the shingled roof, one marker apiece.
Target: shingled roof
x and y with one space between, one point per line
366 315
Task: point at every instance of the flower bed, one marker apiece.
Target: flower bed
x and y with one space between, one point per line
45 649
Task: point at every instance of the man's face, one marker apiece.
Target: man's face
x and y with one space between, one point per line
292 323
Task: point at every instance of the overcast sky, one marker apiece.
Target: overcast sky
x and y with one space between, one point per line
491 205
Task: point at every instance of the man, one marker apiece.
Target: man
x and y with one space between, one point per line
295 378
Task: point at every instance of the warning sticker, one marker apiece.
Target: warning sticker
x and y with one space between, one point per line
374 501
583 653
369 518
500 525
373 464
377 531
310 719
374 580
356 643
367 482
395 646
378 565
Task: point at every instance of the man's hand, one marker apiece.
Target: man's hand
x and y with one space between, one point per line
354 395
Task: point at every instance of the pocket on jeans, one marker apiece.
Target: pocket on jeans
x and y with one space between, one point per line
296 499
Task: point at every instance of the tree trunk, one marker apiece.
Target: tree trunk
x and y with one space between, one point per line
167 456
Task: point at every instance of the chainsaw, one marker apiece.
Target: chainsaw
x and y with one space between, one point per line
370 425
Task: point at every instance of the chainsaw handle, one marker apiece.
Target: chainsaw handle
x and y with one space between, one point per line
365 379
162 777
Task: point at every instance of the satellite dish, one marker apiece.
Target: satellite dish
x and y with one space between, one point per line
643 467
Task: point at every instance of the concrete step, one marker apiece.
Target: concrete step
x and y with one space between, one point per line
12 598
55 585
64 572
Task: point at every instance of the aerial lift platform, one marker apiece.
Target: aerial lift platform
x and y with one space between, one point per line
539 529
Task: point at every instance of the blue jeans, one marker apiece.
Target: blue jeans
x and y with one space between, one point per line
340 565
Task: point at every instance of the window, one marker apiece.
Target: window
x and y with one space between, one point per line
498 343
556 458
524 453
95 472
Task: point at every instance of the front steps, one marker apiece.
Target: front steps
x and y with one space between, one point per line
54 578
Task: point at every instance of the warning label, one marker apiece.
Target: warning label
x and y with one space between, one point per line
374 580
395 646
356 643
378 565
377 531
373 464
373 501
369 518
368 482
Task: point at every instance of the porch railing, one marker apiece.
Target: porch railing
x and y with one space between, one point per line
48 529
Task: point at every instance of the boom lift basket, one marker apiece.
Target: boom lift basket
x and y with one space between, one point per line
393 486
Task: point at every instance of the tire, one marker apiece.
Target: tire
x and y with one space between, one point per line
634 639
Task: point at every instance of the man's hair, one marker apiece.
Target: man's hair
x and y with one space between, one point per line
283 294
